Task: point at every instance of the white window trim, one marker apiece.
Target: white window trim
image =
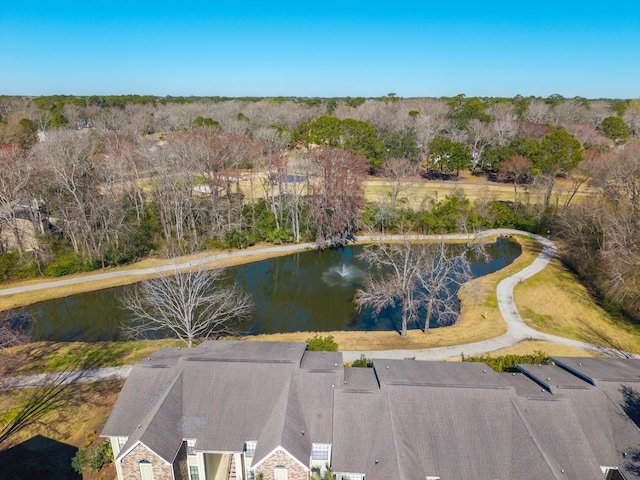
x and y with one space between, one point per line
323 446
146 470
282 471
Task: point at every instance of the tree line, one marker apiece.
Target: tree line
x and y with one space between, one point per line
87 182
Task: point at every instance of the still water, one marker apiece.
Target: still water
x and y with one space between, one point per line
308 291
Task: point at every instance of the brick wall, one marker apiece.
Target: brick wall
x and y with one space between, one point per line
131 464
180 465
295 471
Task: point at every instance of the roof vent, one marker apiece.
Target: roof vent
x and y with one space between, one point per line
484 371
377 461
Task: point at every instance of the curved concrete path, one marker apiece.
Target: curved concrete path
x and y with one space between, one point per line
517 330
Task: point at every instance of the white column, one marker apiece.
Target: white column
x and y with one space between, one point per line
201 468
116 451
239 467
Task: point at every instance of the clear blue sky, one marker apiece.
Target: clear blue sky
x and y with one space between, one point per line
321 48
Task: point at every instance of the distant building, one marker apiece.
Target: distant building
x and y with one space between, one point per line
245 410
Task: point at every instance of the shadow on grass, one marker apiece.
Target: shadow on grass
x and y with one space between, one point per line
38 457
602 340
45 399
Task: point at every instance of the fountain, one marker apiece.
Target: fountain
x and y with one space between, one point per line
342 275
305 291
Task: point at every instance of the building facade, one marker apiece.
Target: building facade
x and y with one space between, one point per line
238 410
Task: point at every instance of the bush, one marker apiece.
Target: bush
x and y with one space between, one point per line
507 363
238 239
363 362
66 264
14 267
92 457
322 344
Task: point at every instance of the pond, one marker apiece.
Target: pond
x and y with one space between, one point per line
307 291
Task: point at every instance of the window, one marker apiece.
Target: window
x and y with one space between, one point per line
191 447
320 451
146 473
351 476
250 449
194 473
121 442
280 473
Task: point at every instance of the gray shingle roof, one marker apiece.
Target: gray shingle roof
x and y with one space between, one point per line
437 374
363 434
602 369
554 378
403 420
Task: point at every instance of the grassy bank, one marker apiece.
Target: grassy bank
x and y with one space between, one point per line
555 302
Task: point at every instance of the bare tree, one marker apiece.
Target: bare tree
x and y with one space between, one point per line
439 279
14 177
480 136
505 122
518 170
190 304
392 280
338 196
401 174
414 277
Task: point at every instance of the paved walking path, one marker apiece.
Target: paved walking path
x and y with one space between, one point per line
517 330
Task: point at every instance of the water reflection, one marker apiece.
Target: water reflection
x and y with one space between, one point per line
309 291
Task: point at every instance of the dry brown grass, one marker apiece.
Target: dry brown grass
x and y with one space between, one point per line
77 421
552 349
85 410
554 301
45 357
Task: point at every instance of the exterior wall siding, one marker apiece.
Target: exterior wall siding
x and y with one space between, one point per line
295 471
131 465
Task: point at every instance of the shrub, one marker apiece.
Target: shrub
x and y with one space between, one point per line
322 344
507 363
363 362
92 457
13 266
65 264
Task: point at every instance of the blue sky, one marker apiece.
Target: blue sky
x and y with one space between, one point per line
328 48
